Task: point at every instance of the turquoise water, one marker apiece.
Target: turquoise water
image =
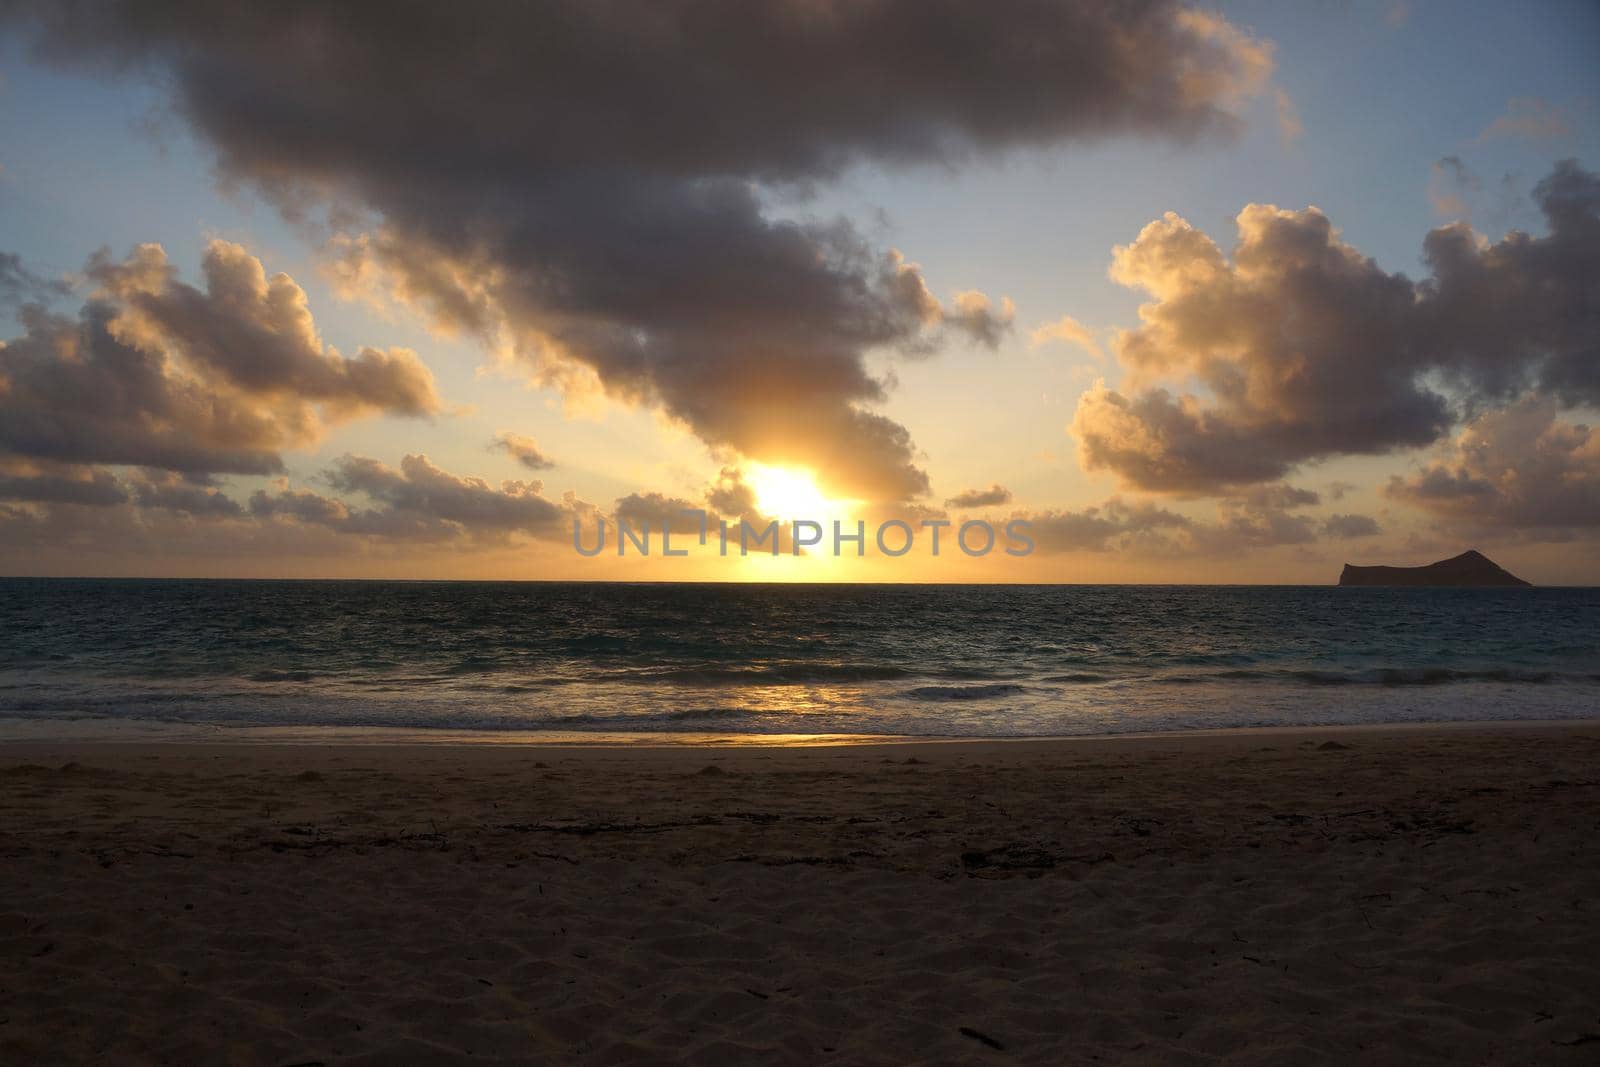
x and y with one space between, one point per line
738 659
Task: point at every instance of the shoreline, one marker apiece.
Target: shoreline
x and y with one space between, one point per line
112 732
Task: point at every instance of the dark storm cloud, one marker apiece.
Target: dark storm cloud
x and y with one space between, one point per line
991 497
155 373
1309 350
684 295
781 89
586 183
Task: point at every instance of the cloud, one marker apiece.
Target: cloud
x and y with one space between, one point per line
977 316
1497 319
1305 349
420 502
59 484
1276 497
56 513
1067 330
658 510
1349 527
1114 525
1522 466
300 505
255 333
1532 118
1290 128
19 285
1260 519
586 186
729 500
1157 442
423 500
172 493
732 496
525 450
1449 186
991 497
154 373
74 392
590 85
63 537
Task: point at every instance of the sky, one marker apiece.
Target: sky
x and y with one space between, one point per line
1213 293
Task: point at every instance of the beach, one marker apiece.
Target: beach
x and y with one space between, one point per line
1383 894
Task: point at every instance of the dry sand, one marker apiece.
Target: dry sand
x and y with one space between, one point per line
1371 895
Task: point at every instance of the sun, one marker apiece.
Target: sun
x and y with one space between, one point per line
786 492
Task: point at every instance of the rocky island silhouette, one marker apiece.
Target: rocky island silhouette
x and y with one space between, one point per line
1471 568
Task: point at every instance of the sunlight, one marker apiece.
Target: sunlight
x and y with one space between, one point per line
786 492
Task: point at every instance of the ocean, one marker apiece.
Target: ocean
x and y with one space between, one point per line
505 659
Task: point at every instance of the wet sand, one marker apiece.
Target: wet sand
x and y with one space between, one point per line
1358 894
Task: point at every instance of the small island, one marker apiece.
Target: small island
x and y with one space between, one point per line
1471 568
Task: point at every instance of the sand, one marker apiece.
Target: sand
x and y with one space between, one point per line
1372 895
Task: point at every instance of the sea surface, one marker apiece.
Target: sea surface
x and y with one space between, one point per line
500 659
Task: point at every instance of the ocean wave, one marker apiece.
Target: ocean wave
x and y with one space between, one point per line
648 721
916 660
1383 676
692 676
788 674
282 676
964 692
475 665
532 685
